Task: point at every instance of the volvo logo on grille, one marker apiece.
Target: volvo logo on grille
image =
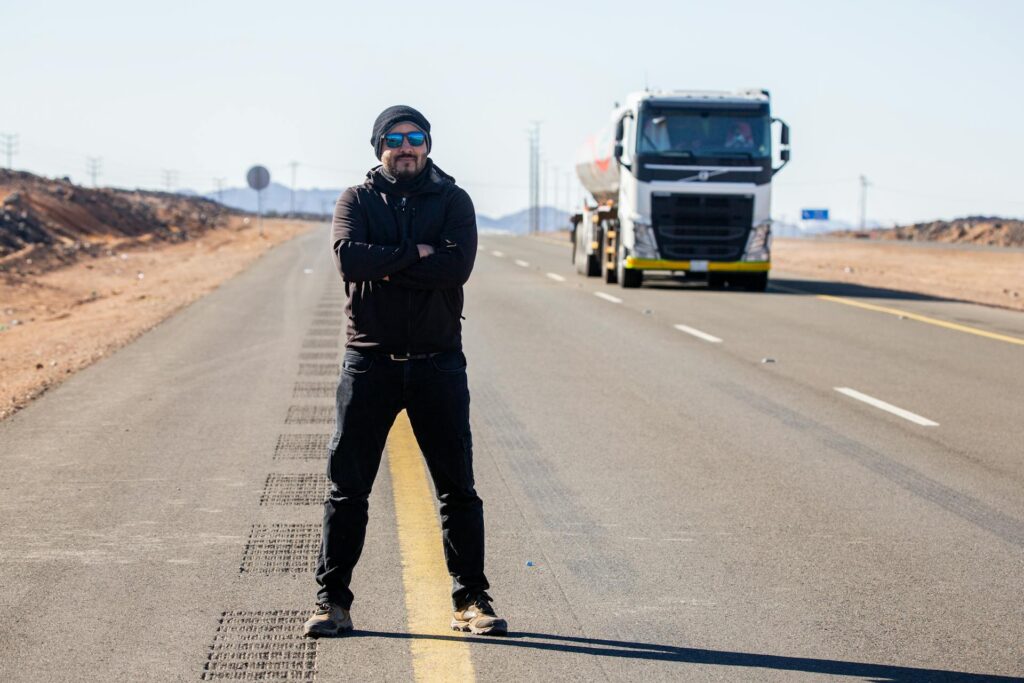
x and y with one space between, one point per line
703 175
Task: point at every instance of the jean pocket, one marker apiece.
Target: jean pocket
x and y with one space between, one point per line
356 363
449 361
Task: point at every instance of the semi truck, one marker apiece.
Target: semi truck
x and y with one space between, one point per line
681 185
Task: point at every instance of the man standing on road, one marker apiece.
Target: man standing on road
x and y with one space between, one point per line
404 242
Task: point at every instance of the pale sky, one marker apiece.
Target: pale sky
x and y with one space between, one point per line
923 98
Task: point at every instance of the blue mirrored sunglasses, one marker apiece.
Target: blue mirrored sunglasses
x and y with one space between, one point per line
415 138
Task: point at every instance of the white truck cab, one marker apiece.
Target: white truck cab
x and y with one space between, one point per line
681 183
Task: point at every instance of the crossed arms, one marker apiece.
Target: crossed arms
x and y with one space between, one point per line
439 266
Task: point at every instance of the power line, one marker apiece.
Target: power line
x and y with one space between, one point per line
863 201
93 166
554 194
544 180
170 179
219 184
294 166
533 133
10 143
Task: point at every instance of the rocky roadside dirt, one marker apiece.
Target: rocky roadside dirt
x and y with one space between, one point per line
57 322
991 277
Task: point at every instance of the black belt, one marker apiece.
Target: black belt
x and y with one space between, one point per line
409 356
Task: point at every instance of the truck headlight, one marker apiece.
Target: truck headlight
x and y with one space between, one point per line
759 244
644 244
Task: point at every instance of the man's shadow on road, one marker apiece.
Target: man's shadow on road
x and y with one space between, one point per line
687 655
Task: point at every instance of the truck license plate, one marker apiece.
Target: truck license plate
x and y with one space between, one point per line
699 266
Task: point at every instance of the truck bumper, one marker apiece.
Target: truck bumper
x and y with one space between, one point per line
634 263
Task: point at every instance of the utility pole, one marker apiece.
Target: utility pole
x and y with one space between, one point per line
170 178
219 184
555 197
568 192
534 136
93 164
10 143
863 201
294 166
544 180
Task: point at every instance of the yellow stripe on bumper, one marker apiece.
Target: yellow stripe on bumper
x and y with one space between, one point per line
635 263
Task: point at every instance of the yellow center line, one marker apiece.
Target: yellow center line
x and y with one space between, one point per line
907 314
424 573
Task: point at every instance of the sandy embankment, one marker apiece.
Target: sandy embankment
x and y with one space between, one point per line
990 276
70 317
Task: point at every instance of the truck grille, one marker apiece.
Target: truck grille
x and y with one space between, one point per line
709 227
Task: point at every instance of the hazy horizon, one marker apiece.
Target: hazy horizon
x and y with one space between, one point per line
912 96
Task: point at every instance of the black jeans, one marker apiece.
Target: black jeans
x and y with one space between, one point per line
372 390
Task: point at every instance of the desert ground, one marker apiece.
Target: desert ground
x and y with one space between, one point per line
62 320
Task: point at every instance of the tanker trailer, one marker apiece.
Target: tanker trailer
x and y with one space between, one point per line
681 184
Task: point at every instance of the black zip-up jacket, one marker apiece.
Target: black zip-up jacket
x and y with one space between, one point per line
419 308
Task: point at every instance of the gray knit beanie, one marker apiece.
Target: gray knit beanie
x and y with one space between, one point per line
397 114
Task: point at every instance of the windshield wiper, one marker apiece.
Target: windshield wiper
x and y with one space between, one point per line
742 155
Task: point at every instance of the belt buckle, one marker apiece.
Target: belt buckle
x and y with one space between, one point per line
394 356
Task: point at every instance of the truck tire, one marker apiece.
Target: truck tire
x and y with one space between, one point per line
627 277
577 257
607 274
586 264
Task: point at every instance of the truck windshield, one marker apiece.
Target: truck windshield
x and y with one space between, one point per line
705 133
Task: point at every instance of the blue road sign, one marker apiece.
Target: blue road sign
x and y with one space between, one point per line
814 214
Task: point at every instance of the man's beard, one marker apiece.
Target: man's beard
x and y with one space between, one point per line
405 172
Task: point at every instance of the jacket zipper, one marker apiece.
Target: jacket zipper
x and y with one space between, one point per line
407 227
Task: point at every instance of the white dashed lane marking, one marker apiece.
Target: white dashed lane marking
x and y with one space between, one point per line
522 264
697 333
888 407
556 277
608 297
499 254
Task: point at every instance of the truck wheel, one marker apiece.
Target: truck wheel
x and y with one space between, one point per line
592 262
628 278
577 255
586 264
607 273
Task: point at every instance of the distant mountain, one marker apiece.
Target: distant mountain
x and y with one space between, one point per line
519 222
807 228
277 198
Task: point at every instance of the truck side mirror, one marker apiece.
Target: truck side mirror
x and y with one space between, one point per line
783 145
618 151
619 130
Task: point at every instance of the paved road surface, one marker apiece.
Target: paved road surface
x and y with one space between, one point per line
663 501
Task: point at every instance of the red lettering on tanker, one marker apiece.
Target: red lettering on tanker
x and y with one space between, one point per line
602 164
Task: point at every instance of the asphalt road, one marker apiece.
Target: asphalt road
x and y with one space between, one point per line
821 482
